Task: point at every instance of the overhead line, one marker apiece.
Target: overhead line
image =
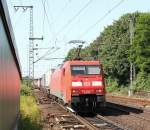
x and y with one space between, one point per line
61 12
71 20
43 4
76 15
43 19
47 53
54 58
102 18
48 20
51 15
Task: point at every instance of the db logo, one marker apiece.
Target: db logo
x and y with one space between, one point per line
87 84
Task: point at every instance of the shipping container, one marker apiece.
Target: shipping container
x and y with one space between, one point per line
46 79
37 82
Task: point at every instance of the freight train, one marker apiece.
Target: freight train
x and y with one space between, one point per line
10 73
80 85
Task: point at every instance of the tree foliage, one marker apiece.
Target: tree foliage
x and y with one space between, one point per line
141 48
113 48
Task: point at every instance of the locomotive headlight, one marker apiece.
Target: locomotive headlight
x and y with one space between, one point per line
75 91
97 83
98 91
74 84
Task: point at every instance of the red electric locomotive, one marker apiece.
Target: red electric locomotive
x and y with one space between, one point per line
80 84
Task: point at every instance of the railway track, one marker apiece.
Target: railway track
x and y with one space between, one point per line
102 123
132 118
138 113
97 122
116 117
58 117
139 103
66 120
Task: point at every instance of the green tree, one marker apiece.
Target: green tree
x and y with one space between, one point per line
141 47
113 49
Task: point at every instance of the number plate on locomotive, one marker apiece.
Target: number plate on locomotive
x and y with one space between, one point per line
87 91
87 84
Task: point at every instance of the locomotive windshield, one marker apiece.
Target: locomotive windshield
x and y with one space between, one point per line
85 69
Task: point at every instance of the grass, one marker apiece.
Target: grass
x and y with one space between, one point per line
30 115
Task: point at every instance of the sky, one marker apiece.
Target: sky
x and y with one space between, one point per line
61 21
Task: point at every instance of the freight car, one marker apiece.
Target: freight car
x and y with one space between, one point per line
45 80
37 83
42 83
79 84
10 73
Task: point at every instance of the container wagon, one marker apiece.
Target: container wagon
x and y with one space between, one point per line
79 84
10 73
37 83
43 82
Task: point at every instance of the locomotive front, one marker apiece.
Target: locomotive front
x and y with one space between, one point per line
87 88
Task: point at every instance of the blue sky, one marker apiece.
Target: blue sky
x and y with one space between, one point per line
59 13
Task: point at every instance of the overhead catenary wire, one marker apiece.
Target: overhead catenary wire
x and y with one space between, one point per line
45 13
99 20
47 53
73 18
43 20
105 15
44 8
102 18
60 14
63 8
56 58
49 11
48 20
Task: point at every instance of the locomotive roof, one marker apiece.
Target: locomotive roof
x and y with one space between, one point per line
76 62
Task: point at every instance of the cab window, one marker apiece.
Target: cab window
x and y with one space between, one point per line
93 70
85 69
76 70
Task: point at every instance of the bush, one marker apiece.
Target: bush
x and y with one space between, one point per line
29 111
123 90
142 82
25 90
111 85
30 114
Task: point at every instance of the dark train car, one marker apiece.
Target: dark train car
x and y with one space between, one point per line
10 73
80 84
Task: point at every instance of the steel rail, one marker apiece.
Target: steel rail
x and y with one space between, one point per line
112 122
97 122
93 125
80 119
130 113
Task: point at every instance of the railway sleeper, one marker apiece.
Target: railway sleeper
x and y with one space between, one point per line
73 126
100 125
